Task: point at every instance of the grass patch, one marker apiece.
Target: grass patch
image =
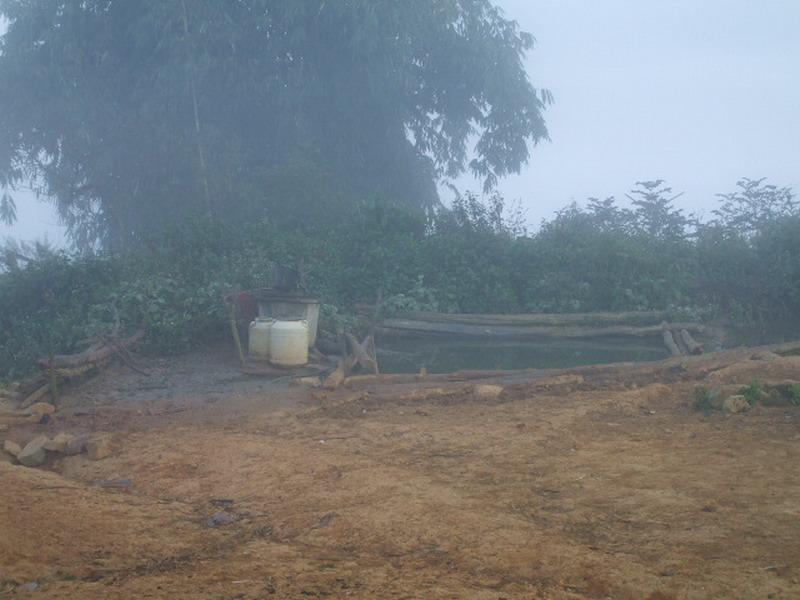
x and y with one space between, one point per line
704 399
754 393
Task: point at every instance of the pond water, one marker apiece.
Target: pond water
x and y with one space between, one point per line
444 355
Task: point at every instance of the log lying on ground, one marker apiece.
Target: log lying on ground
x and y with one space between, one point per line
691 344
632 318
361 353
68 366
391 327
90 356
339 374
386 378
670 342
786 349
35 396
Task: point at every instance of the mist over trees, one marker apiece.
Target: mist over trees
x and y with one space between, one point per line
137 115
742 268
191 146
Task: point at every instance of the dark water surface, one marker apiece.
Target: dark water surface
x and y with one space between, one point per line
444 355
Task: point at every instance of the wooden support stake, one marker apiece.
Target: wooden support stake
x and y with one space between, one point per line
235 331
362 353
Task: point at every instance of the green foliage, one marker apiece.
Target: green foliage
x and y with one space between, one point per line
47 306
781 395
793 394
475 258
418 298
135 116
754 393
704 399
754 205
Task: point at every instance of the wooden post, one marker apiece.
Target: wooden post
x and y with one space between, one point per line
235 330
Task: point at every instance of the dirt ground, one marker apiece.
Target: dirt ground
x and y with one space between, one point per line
601 483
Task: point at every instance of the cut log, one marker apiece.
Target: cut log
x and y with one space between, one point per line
384 378
336 378
669 341
391 327
691 344
676 335
68 361
35 396
786 349
340 373
362 352
546 319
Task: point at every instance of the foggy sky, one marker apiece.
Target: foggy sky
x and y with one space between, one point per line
699 93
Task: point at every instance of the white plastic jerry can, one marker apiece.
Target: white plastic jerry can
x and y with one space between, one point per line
288 343
259 338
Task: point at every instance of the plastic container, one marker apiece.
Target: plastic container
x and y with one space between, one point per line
258 342
288 343
290 307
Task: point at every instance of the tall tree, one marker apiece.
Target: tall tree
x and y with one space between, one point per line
131 115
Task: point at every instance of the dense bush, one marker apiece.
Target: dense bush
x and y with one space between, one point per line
473 257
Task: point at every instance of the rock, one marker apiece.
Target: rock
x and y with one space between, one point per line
75 446
33 454
124 485
99 446
312 382
59 443
12 448
735 404
325 520
41 408
487 392
30 586
222 518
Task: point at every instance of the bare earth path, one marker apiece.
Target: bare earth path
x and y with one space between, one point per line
601 485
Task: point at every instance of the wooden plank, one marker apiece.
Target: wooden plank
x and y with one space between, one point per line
546 319
391 326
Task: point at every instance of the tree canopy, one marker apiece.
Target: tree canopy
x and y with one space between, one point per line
132 115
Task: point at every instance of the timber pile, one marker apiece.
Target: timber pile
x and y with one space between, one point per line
572 326
355 354
67 366
679 341
545 319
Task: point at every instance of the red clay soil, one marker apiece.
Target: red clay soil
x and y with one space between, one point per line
602 484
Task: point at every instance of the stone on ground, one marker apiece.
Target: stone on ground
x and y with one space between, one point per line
99 446
41 408
75 446
33 454
312 382
488 392
12 448
59 442
735 404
